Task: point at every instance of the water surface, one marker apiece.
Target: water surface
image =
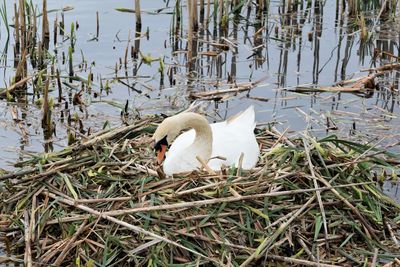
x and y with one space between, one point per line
313 46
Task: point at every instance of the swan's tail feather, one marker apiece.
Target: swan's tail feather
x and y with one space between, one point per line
244 118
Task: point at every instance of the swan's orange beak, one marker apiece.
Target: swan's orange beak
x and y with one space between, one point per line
161 154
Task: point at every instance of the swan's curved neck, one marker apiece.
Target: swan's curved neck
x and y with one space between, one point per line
203 141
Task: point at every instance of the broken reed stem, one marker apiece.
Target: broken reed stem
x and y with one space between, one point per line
46 108
299 262
126 51
200 188
202 11
138 14
59 86
33 214
21 71
306 249
374 258
15 86
22 23
207 17
217 93
51 172
111 134
194 16
72 37
178 19
392 235
316 186
219 200
45 28
138 34
70 63
27 235
391 66
55 29
352 7
70 244
220 11
97 25
33 38
205 166
40 58
104 200
190 34
16 31
62 25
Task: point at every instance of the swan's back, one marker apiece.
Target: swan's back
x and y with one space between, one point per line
234 137
231 138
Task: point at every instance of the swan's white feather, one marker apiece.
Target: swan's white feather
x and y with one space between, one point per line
230 139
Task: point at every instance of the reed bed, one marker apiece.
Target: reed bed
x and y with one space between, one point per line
104 202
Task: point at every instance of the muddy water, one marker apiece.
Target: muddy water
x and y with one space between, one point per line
311 46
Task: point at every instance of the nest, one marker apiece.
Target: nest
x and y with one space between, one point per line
103 202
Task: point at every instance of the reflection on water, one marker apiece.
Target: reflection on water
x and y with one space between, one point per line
306 43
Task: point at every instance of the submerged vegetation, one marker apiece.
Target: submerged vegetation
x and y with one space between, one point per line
102 201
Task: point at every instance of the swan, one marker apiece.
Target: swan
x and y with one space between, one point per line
226 140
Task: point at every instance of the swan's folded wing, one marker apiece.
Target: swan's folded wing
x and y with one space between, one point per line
230 141
181 143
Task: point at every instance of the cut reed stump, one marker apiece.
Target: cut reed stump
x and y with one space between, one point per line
104 201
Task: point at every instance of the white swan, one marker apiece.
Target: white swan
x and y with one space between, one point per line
227 139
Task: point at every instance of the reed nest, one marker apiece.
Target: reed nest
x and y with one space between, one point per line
104 202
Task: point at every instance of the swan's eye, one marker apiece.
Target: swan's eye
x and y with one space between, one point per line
158 145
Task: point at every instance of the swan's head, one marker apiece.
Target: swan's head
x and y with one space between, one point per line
166 132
